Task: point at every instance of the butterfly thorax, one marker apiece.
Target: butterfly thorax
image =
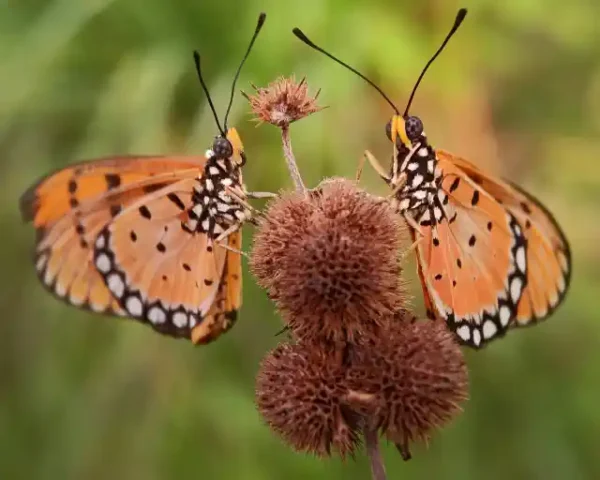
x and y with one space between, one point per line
214 209
416 168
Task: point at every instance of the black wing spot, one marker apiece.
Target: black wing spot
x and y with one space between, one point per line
80 229
526 208
436 242
133 236
472 241
83 243
454 283
527 224
72 186
153 187
164 277
186 267
144 212
112 180
115 210
489 226
73 202
453 218
438 276
176 200
161 247
208 282
455 184
458 263
475 198
209 248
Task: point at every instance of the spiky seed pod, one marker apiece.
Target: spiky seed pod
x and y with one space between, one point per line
330 261
298 393
415 379
282 102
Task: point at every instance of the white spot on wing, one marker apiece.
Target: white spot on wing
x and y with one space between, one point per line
157 315
489 329
134 306
209 153
464 332
422 152
504 315
561 284
209 185
180 319
515 289
521 260
60 289
476 337
100 242
41 262
213 170
103 263
116 285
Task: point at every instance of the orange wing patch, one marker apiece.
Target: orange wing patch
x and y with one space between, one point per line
548 252
223 314
473 261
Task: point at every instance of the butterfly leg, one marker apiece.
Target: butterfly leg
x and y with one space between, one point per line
259 195
399 184
410 249
376 166
223 236
238 196
413 224
359 168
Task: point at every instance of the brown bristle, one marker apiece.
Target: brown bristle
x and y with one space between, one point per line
298 393
417 379
283 102
330 260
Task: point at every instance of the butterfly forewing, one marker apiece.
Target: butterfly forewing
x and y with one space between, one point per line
548 252
71 206
470 260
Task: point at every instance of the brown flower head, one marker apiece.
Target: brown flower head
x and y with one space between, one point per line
298 393
409 382
282 102
330 260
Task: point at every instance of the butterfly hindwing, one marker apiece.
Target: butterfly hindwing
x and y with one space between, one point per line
224 310
548 252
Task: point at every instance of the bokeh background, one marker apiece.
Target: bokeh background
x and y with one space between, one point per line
517 91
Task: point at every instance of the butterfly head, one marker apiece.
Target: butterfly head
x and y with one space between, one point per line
405 130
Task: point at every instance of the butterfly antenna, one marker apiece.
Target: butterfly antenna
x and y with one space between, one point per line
308 42
261 20
205 88
460 16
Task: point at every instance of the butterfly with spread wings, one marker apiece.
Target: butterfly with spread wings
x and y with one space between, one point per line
151 238
490 256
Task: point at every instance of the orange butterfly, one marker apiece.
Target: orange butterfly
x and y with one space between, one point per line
152 238
490 256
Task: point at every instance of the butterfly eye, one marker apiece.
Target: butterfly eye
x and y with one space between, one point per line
222 148
388 129
413 127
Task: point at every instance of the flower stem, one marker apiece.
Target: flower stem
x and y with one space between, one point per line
374 454
290 159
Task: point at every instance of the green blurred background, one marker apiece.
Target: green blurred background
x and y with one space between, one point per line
517 91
